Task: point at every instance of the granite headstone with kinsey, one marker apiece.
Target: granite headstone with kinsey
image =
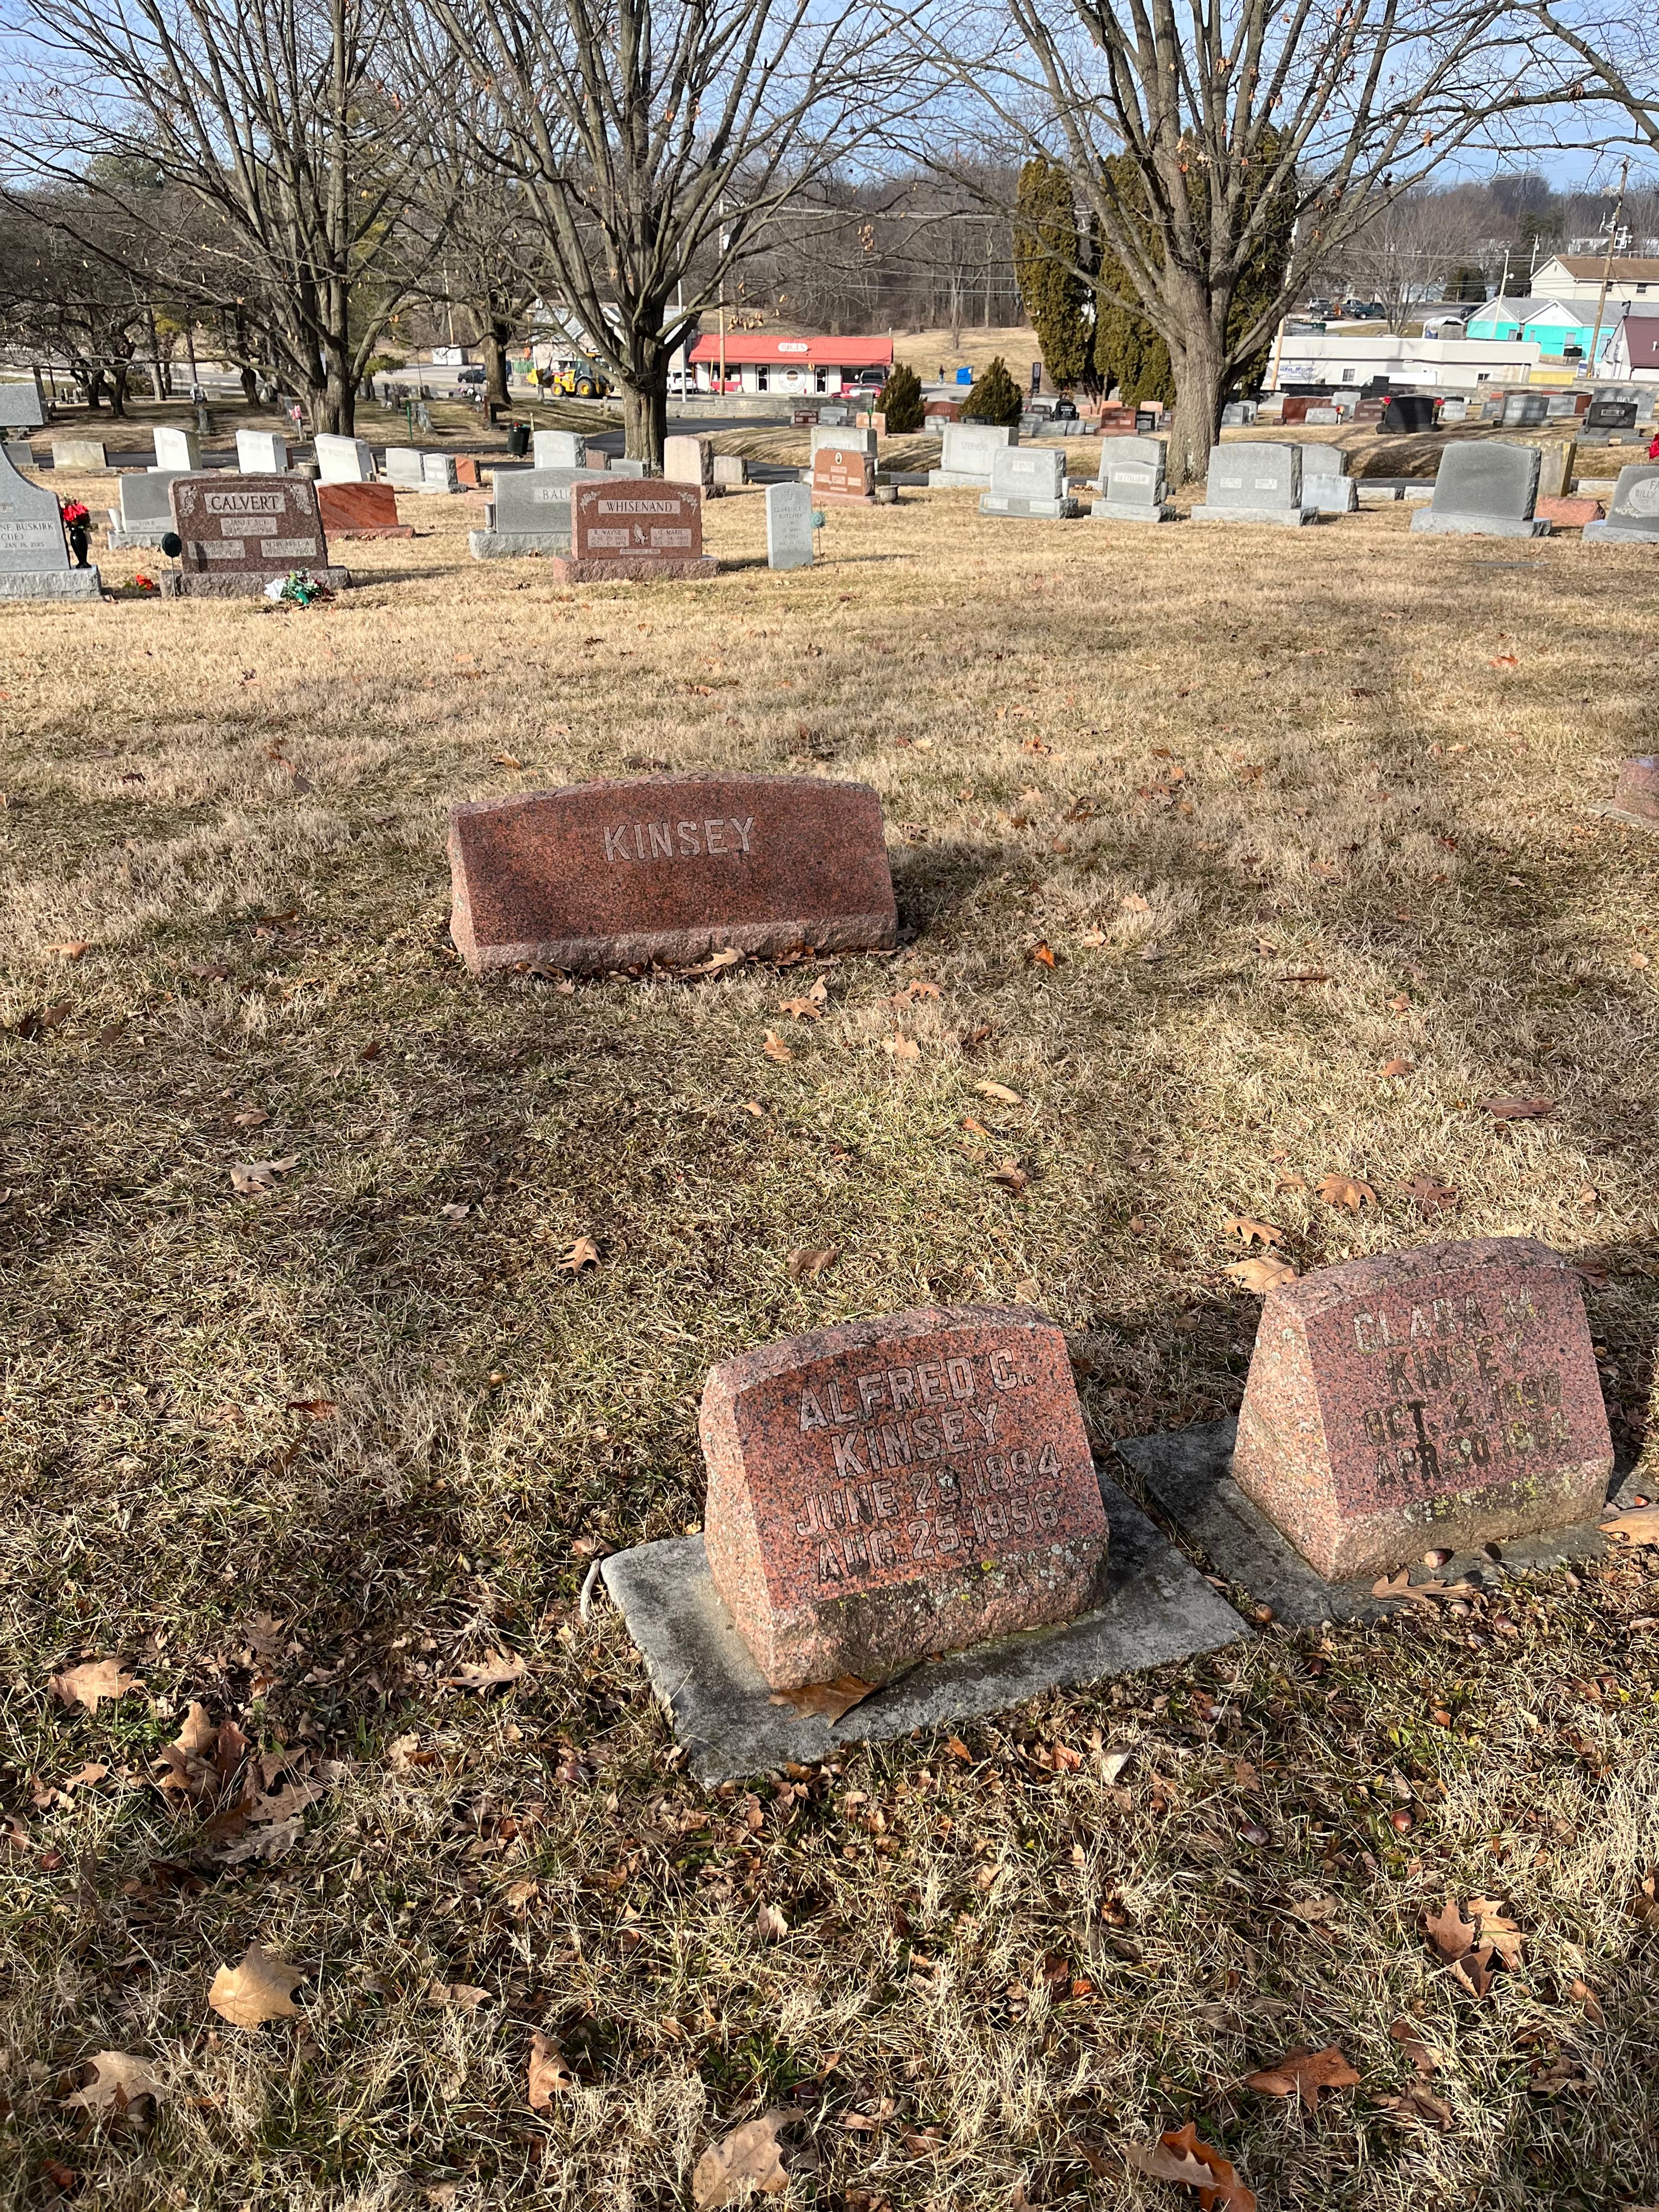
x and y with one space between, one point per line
968 451
238 533
1327 487
1132 481
343 461
881 1491
789 525
1027 483
1485 490
145 514
261 453
34 559
615 874
531 513
177 450
1254 482
1633 513
1447 1395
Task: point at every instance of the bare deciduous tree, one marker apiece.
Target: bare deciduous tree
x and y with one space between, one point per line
1407 249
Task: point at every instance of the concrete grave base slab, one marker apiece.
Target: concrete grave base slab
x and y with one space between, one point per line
1117 510
1188 1472
1614 533
516 544
1157 1608
821 498
1477 525
1287 518
1039 510
386 530
50 584
118 537
247 586
958 480
1623 814
645 569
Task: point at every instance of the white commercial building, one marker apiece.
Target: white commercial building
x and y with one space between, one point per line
1458 364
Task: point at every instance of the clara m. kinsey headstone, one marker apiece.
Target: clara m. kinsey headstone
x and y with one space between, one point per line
669 868
1445 1396
884 1490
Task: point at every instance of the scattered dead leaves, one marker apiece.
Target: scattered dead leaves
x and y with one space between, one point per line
260 1987
1250 1231
257 1178
496 1670
775 1048
1181 2157
770 1923
1304 2075
1001 1093
1398 1068
901 1048
1010 1174
1429 1194
1469 1946
1344 1190
826 1701
94 1681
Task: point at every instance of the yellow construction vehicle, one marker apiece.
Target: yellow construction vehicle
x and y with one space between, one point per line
577 376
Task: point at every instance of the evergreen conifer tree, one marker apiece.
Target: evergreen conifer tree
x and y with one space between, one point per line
901 400
994 397
1049 254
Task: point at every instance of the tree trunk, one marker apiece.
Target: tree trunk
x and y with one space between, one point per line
1198 381
493 346
333 408
117 390
645 416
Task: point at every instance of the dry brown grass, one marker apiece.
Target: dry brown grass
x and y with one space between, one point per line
1366 798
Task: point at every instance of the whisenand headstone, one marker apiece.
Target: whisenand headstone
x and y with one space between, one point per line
1024 481
1633 511
177 450
261 453
238 532
559 449
668 868
1254 482
1132 481
145 514
1637 791
881 1491
688 460
340 460
89 455
635 532
842 473
1447 1395
21 408
530 512
851 441
1485 490
34 558
1525 411
789 525
968 451
360 510
1327 487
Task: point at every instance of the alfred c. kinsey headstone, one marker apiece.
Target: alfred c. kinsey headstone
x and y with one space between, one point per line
238 532
34 562
639 530
1445 1396
611 875
883 1490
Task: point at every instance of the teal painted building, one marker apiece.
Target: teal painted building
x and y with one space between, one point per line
1553 325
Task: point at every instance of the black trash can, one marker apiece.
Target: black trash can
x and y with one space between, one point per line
518 440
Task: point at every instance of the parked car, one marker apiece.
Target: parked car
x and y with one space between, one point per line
869 380
471 375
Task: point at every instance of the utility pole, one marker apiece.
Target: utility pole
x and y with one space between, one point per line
1606 267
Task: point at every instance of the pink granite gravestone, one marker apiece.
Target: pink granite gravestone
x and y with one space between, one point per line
668 867
882 1490
1442 1396
238 533
1638 788
633 530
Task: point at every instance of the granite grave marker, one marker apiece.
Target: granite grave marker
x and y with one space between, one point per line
968 450
1633 513
1485 490
1254 482
177 450
789 525
1024 481
343 461
34 559
1132 481
261 453
240 532
639 533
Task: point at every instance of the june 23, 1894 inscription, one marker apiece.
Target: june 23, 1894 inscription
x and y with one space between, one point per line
1447 1395
882 1490
668 867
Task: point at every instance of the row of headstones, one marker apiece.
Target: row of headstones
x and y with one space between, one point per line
1414 412
1447 1394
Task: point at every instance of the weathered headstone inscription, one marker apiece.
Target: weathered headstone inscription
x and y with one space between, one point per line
641 532
360 510
145 514
438 473
883 1490
789 525
530 512
1633 514
177 450
1447 1395
968 451
841 473
1485 490
343 460
239 531
34 560
1254 482
261 453
1131 482
1525 411
1327 487
1637 791
1024 481
731 472
1610 414
610 875
559 449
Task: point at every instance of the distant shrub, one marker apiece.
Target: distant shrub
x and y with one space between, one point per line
901 401
994 397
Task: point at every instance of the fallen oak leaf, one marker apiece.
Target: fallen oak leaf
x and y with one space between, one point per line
550 2072
1304 2075
1262 1274
1430 1193
771 1923
258 1988
1215 2180
775 1048
1407 2035
751 2157
1001 1093
828 1701
1262 1232
803 1010
497 1670
1638 1525
1344 1190
801 1263
1417 2102
901 1048
1042 955
256 1178
1517 1110
73 950
584 1253
1399 1068
1011 1175
118 2081
1163 2164
506 760
90 1683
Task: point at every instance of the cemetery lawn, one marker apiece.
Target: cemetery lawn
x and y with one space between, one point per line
1196 834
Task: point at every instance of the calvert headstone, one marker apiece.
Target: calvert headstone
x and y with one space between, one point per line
611 875
1485 489
145 514
1447 1395
34 558
1319 417
1024 481
261 453
1633 512
686 460
881 1491
240 531
177 449
635 532
789 525
970 448
1327 487
340 460
1132 481
531 513
1254 482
